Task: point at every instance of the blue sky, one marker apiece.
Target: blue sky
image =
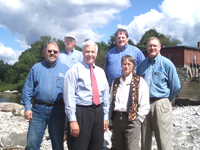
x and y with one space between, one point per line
137 8
9 39
24 22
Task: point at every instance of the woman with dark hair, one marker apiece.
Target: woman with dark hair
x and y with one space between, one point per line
129 97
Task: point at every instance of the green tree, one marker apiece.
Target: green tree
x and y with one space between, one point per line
165 40
61 44
18 72
4 67
143 41
112 42
130 42
102 46
102 50
78 48
169 41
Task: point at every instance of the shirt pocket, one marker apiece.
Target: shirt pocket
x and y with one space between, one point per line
159 77
60 82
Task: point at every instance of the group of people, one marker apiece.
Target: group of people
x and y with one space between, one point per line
130 97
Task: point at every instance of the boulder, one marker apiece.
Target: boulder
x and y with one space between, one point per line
10 92
16 109
6 92
14 92
14 140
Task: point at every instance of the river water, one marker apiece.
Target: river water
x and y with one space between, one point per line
14 98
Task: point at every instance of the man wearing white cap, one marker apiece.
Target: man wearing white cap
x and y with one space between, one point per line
70 55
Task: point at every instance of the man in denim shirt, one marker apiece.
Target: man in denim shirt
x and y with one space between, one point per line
44 85
162 79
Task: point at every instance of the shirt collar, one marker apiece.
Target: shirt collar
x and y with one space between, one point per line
123 49
86 65
155 59
128 79
47 64
70 51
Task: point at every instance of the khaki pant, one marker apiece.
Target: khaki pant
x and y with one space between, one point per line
159 121
126 134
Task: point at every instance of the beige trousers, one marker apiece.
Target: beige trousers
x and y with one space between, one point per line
126 134
159 121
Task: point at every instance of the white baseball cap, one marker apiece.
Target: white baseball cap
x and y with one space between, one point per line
70 36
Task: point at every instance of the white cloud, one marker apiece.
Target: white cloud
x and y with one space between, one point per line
35 18
13 4
178 18
8 54
22 42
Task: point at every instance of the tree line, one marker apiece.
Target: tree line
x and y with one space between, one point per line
12 77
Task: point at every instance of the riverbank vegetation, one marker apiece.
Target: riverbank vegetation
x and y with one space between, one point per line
12 77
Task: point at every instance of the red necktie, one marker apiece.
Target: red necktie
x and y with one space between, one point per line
95 91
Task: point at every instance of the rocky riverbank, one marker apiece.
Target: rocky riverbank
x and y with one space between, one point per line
13 129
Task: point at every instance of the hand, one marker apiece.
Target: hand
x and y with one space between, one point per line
28 115
110 128
74 128
105 125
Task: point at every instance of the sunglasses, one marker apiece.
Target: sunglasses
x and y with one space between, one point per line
50 51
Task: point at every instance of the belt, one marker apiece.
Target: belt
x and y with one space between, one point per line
120 112
156 98
49 103
90 106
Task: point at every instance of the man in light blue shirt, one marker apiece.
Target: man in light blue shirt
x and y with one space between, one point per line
44 85
70 55
86 121
162 79
113 58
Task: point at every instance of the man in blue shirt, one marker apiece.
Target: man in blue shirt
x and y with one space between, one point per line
113 58
44 85
162 79
70 55
86 120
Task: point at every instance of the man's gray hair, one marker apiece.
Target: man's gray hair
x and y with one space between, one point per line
89 43
153 38
52 43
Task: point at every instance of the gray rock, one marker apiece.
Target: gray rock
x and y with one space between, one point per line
10 92
6 92
15 108
185 129
14 140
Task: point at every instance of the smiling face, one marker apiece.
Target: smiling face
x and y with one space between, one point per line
153 48
89 54
51 53
121 40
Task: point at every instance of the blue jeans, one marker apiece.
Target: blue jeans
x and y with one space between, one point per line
54 117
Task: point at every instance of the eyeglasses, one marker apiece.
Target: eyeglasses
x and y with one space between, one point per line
124 64
69 40
50 51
